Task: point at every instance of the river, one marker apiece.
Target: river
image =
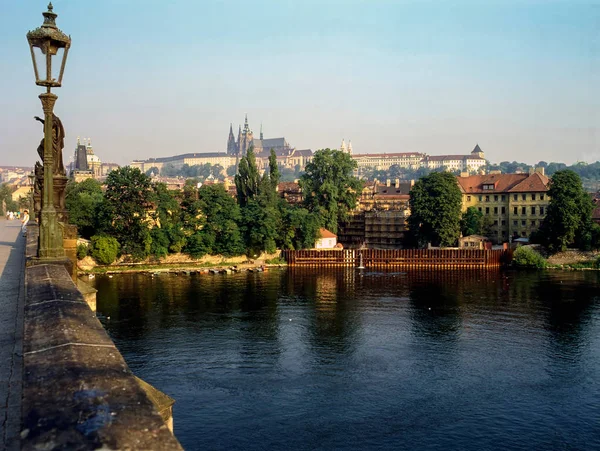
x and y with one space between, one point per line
356 360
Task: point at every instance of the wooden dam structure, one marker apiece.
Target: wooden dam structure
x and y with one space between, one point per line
399 258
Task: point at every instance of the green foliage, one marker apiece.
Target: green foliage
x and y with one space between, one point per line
329 188
300 228
222 215
568 218
275 261
527 257
247 180
199 171
83 251
6 202
105 249
435 204
167 234
231 171
83 201
471 222
128 199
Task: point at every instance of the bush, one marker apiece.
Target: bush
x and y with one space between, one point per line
597 263
105 249
82 251
527 257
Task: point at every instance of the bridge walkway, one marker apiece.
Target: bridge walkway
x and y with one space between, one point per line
11 331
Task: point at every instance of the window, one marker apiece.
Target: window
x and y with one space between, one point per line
533 197
487 210
495 210
523 234
541 197
515 223
503 210
496 198
541 210
480 198
479 208
523 212
524 196
532 210
504 233
514 197
533 223
504 222
503 198
496 222
468 198
515 210
487 198
523 223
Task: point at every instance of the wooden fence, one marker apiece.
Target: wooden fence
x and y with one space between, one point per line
408 258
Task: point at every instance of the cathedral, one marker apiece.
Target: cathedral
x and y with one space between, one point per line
261 146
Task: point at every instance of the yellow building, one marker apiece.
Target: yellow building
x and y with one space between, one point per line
513 205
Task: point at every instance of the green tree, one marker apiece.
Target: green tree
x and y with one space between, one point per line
129 196
247 180
222 214
471 222
6 201
330 190
167 233
300 228
105 249
435 205
83 201
569 212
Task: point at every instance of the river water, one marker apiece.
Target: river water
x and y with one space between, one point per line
349 360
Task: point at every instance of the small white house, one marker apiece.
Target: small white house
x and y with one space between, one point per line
327 241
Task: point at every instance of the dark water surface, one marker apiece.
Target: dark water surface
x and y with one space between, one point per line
337 360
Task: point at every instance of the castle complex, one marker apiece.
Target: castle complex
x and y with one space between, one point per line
246 140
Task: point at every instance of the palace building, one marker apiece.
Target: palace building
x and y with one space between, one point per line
514 205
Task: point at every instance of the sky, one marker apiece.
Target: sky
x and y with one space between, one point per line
159 78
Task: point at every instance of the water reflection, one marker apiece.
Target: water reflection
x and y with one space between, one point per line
347 359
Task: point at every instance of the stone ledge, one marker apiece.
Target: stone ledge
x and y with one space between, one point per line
78 392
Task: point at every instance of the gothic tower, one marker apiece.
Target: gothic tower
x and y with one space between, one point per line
231 146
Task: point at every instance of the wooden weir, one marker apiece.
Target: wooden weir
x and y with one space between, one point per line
406 258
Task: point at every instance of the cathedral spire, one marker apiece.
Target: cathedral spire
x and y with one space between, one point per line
349 147
261 134
343 146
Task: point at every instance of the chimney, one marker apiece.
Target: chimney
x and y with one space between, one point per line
388 183
540 170
531 170
397 183
464 174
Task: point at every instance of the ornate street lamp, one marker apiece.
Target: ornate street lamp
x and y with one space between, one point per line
47 43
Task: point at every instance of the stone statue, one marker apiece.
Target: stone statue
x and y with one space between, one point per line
58 143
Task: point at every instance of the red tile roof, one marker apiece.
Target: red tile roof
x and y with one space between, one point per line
326 233
518 183
536 182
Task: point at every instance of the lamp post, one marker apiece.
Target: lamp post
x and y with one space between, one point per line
45 43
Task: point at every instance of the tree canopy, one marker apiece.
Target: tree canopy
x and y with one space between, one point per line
472 222
329 187
128 198
435 205
569 212
83 201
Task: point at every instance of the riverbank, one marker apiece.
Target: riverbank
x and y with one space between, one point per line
182 264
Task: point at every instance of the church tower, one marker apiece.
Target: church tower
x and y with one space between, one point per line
349 147
245 138
343 146
231 146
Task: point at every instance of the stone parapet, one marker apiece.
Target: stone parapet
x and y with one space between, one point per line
78 392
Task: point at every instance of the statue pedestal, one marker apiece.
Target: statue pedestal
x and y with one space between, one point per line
60 183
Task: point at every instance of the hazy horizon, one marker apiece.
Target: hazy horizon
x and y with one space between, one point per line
153 79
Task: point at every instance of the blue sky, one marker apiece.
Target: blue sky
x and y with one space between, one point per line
158 78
